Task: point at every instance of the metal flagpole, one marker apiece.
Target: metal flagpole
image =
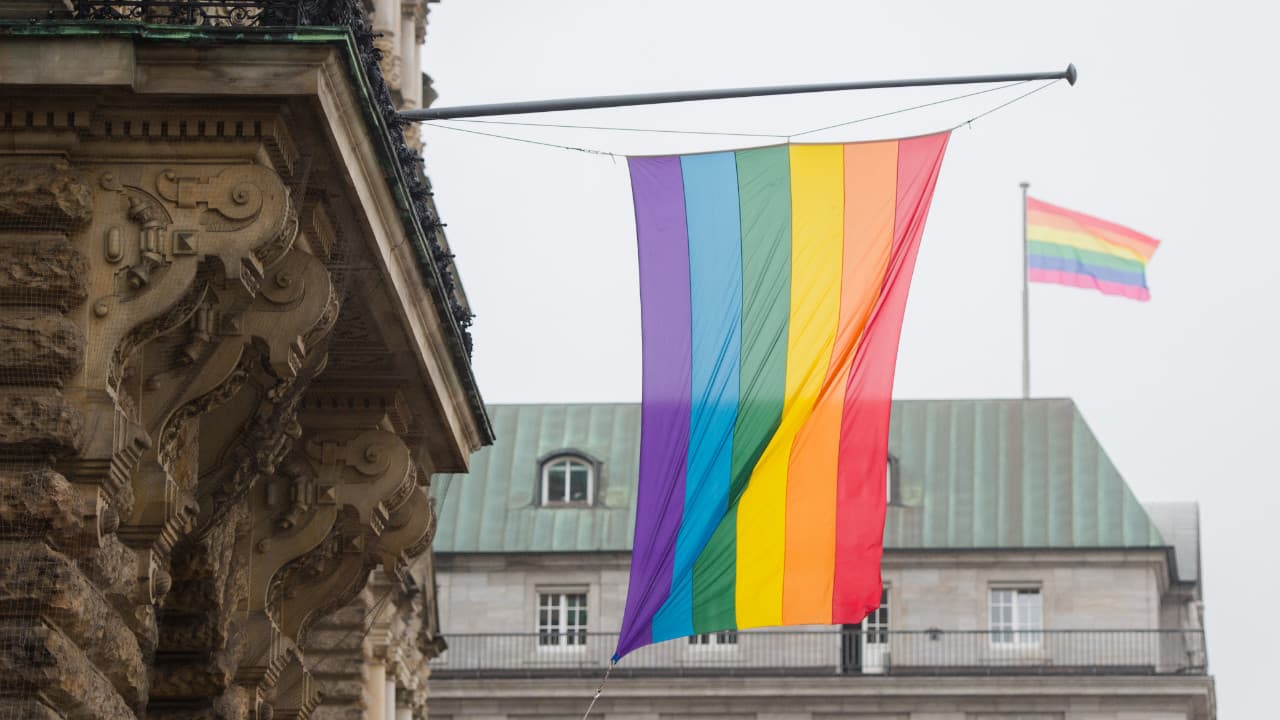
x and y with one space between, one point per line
608 101
1026 303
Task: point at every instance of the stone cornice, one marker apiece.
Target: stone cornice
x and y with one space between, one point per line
304 61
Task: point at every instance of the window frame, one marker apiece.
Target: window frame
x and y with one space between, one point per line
562 631
877 622
721 641
891 479
571 458
1020 633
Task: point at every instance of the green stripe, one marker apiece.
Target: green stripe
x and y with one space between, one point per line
764 192
1089 257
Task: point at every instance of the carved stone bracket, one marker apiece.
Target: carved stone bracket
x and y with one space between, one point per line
179 219
344 501
167 243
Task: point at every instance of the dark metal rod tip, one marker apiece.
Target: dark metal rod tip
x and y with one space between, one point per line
1071 73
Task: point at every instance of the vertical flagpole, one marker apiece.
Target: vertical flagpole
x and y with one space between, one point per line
1026 303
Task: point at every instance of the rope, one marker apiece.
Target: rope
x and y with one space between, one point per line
600 689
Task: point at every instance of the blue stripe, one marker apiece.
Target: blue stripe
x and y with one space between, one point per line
1098 272
715 290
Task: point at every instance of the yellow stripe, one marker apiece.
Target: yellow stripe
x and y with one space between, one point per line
1082 240
817 229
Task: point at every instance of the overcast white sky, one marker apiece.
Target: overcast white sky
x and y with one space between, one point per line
1171 130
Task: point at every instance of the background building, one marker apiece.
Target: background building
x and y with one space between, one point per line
233 352
1023 580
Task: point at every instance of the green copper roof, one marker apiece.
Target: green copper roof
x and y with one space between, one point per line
970 474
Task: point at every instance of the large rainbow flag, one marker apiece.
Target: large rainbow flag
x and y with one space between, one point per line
1070 248
772 287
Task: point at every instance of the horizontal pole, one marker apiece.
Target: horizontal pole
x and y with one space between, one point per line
610 101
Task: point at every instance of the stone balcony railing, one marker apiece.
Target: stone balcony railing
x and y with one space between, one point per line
833 652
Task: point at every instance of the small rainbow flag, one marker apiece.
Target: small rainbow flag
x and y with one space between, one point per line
1070 248
772 287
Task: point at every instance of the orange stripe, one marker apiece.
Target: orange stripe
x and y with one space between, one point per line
870 190
817 226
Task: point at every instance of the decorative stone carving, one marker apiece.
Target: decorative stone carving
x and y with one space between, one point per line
165 538
296 694
221 215
175 239
389 62
324 515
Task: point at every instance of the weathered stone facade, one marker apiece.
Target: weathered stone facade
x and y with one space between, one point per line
230 361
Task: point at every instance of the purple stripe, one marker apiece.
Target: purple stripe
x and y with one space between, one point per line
657 187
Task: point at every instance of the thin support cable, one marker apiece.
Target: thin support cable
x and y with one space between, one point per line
599 690
614 156
1003 105
908 109
778 136
523 140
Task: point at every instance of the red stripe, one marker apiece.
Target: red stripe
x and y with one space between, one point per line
864 429
1091 221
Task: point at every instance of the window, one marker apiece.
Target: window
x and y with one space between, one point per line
890 476
876 624
567 480
562 619
1015 616
726 637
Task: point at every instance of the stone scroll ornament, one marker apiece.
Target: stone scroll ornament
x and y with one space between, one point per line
344 502
178 242
772 286
196 279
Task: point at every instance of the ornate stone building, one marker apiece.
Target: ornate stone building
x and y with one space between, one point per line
233 351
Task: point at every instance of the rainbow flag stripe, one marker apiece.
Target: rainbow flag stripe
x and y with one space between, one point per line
1070 248
772 286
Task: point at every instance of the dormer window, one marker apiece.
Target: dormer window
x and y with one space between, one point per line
568 480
